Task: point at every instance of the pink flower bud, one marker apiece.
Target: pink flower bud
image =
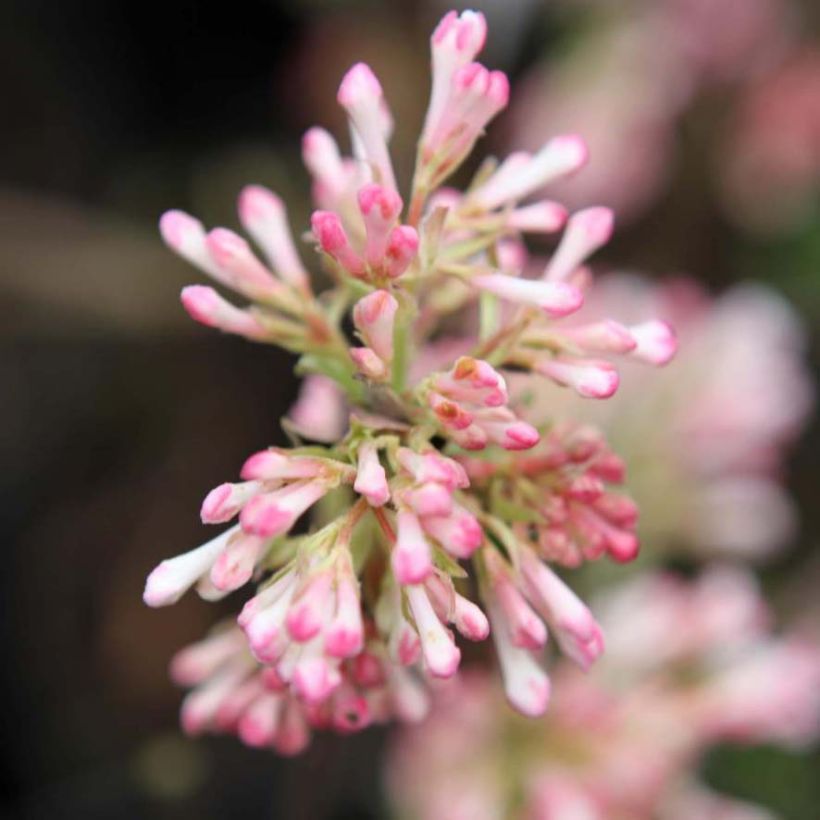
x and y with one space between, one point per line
524 627
459 532
380 208
441 655
656 342
319 413
471 437
278 465
429 499
411 558
371 479
344 637
328 229
207 307
225 501
246 274
503 428
402 247
451 414
307 610
258 725
592 379
606 336
374 316
276 512
475 381
185 235
432 466
571 621
540 217
360 94
554 298
369 364
586 231
331 176
314 679
235 564
560 157
526 685
293 735
455 42
197 662
263 216
172 578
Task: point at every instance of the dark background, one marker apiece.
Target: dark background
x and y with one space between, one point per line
119 414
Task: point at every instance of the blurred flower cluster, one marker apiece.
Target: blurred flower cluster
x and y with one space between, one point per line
436 507
635 69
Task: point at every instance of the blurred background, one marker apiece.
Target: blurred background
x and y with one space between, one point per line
704 125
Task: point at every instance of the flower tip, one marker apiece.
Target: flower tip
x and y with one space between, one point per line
656 342
570 151
386 200
256 203
328 230
175 226
359 84
598 383
225 245
531 696
563 300
160 587
597 224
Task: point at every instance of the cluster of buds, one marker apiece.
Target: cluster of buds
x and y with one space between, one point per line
414 534
622 742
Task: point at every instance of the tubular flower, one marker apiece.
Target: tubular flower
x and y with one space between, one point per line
417 503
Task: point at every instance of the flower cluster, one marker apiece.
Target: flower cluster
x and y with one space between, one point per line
437 473
622 742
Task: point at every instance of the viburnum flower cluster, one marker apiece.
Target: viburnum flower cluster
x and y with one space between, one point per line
440 508
702 666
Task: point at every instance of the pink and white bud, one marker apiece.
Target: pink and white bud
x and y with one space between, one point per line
540 217
185 235
525 683
451 414
264 217
200 706
199 661
371 479
571 621
274 464
411 558
294 734
402 248
319 413
556 299
586 231
235 564
331 176
315 679
429 499
369 364
225 501
380 208
502 427
274 513
606 336
524 627
471 437
344 637
245 272
656 342
360 94
558 158
172 578
441 655
328 229
459 532
206 306
456 41
473 380
237 703
432 466
590 378
259 724
263 620
374 316
308 608
466 616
